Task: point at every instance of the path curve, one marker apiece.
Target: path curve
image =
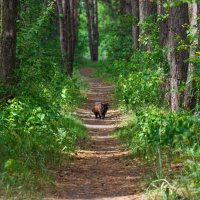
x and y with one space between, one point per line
99 170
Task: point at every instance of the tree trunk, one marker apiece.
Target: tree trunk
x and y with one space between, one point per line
7 38
189 99
87 9
66 29
163 30
146 8
135 27
95 31
178 16
74 22
91 8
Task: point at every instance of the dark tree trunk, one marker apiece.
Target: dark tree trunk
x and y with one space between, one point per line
87 9
178 16
74 22
67 31
95 31
69 27
135 27
146 8
91 7
7 38
163 30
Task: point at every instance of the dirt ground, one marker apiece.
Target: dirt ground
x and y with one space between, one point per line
99 170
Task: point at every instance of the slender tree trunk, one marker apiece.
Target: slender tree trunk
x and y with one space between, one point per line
95 31
87 9
146 8
69 27
74 22
66 29
164 29
189 99
178 16
135 27
91 7
7 37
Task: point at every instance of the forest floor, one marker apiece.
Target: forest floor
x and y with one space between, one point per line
100 169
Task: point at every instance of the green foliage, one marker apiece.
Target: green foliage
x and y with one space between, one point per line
37 126
115 33
140 88
154 133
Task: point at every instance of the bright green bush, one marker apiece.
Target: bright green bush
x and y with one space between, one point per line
37 126
140 88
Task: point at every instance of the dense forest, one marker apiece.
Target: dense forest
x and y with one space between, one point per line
148 49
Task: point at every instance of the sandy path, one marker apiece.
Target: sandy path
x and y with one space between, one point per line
99 170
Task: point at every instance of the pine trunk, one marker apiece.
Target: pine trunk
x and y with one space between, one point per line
95 31
178 17
91 7
7 38
66 34
146 8
163 29
135 27
189 99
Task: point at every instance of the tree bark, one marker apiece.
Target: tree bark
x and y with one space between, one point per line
178 17
95 30
91 7
189 99
7 38
67 33
163 29
146 8
135 27
87 9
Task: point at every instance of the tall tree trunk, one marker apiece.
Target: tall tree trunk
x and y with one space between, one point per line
95 31
87 9
189 99
7 37
178 16
91 7
146 8
69 27
66 29
135 27
163 29
74 22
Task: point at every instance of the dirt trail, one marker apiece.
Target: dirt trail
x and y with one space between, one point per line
99 170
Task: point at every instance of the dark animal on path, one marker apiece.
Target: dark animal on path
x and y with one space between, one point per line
100 109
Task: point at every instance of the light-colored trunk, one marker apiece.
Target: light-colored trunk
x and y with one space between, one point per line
189 100
135 27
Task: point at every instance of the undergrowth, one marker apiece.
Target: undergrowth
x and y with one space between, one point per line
168 143
37 127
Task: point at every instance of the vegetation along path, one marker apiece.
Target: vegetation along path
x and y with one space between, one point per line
99 170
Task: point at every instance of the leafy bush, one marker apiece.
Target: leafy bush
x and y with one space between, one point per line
37 126
140 88
154 132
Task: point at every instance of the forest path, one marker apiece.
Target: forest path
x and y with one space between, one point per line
99 170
